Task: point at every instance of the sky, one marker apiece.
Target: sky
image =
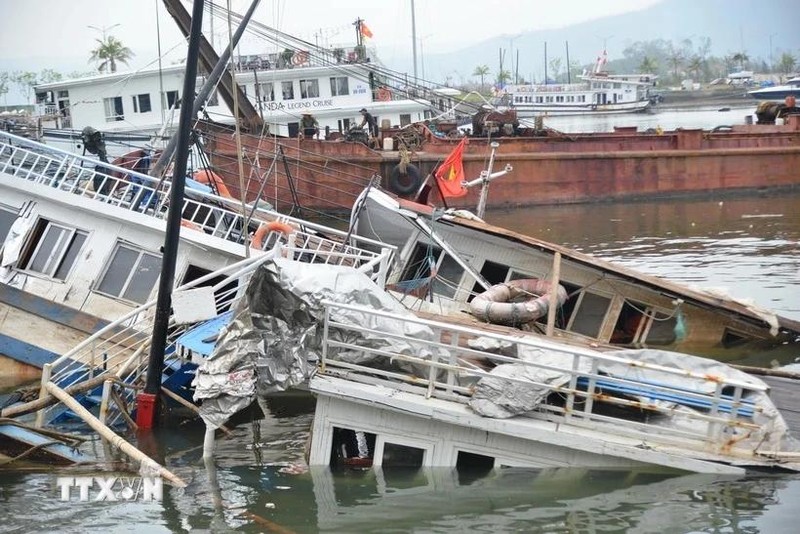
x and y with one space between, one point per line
59 34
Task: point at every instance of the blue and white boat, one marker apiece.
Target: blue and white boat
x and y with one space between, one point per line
778 92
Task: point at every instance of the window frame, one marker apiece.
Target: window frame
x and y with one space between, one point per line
55 261
133 266
309 86
290 85
110 102
139 102
336 85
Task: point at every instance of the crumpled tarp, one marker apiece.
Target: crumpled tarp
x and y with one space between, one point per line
497 396
276 332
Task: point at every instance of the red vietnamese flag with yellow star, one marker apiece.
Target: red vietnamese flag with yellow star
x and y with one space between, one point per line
366 31
450 173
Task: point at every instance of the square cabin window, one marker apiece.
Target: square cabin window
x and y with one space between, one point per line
340 86
53 249
131 274
170 99
309 88
287 90
266 92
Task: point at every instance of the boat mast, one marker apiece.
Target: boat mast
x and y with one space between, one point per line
414 40
147 401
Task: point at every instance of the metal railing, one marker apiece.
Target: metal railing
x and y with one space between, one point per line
134 192
447 367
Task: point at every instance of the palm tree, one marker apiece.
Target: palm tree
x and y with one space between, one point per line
109 51
786 63
675 58
482 71
647 66
695 65
742 58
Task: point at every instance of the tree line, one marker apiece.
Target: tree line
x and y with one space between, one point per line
109 52
671 61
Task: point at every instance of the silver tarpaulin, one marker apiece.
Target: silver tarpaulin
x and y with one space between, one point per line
276 333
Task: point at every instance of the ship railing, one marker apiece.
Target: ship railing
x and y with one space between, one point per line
448 366
115 358
119 352
134 192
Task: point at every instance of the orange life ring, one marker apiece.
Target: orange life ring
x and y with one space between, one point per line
260 237
213 180
516 302
186 223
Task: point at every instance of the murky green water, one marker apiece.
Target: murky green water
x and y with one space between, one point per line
748 245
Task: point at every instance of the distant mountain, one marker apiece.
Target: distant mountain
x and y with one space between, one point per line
732 25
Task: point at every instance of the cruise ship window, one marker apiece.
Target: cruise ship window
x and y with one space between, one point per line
340 86
131 274
113 108
266 91
287 89
53 249
309 88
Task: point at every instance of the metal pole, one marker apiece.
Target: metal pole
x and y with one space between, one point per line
569 74
148 399
205 90
414 38
485 187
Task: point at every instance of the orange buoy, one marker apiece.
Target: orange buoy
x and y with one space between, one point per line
260 237
790 101
213 180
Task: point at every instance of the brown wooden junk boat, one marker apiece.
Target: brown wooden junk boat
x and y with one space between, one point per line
549 167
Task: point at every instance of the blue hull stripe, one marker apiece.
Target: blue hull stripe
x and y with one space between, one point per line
25 352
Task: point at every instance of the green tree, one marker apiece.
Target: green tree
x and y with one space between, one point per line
4 79
503 76
555 68
25 80
647 66
695 66
482 71
109 51
787 63
49 75
675 58
741 58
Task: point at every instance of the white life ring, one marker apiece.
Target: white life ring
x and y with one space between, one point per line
516 302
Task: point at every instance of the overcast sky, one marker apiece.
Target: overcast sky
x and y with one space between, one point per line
37 34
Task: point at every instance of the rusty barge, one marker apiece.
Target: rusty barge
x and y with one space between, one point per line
549 168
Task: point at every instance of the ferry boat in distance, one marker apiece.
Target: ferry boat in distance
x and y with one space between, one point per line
598 92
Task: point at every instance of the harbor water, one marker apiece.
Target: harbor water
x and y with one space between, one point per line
745 245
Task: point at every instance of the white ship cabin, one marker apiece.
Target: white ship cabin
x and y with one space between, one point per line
332 89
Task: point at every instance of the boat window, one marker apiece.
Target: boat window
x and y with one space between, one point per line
7 218
589 314
141 103
113 108
662 327
340 86
405 119
287 90
350 448
731 338
629 323
418 269
53 249
494 273
170 99
471 466
266 91
131 274
396 455
309 88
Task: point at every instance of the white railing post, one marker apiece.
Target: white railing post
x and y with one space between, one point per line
107 385
47 370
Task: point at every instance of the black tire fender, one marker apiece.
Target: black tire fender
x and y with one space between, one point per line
405 183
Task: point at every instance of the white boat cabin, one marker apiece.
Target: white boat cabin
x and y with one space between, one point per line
333 89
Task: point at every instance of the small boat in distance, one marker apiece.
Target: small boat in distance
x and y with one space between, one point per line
778 92
598 93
